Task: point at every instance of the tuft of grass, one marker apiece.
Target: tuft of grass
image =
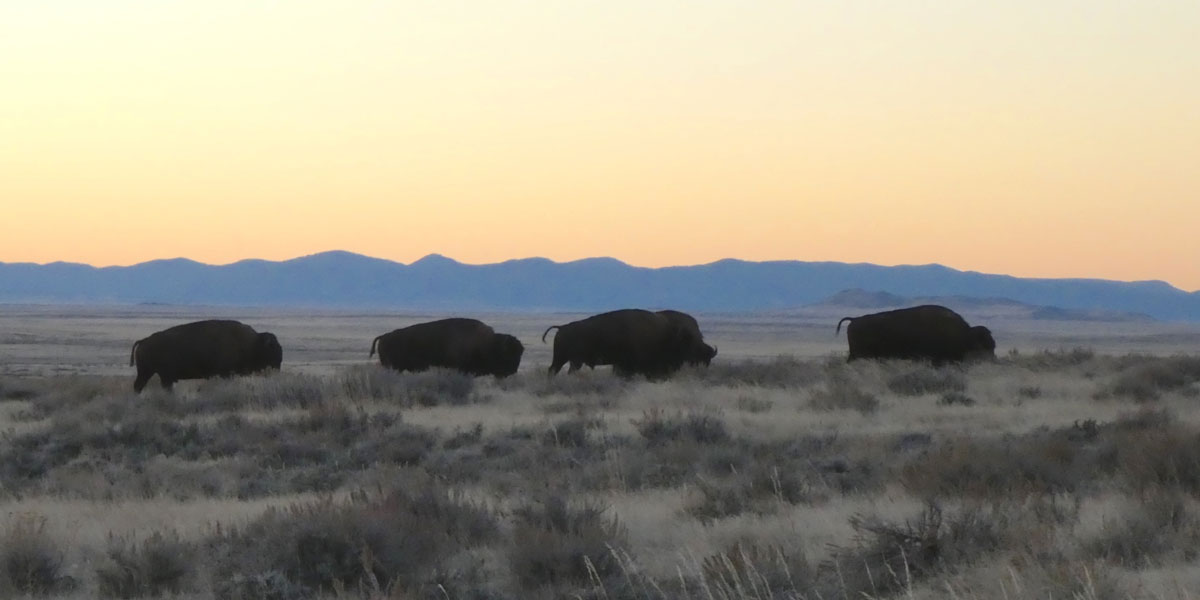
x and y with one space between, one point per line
749 570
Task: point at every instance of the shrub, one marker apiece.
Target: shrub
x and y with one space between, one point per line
599 387
718 499
17 389
1152 377
426 388
1154 526
995 468
758 489
927 380
161 563
32 562
699 427
842 394
1050 360
751 404
439 386
1149 458
395 540
779 372
371 382
290 390
558 543
1141 452
887 556
571 433
956 398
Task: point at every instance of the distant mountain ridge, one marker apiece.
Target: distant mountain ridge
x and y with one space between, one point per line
345 279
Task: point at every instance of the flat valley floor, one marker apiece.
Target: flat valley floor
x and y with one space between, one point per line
1067 468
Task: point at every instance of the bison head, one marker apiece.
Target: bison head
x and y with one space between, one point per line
506 352
705 354
982 345
267 351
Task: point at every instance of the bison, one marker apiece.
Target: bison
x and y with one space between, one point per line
213 348
466 345
928 332
633 341
697 352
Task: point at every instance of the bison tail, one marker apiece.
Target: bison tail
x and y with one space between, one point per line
548 331
133 353
839 327
373 342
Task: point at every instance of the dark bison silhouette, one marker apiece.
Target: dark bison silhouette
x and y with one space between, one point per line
699 352
633 341
927 332
214 348
466 345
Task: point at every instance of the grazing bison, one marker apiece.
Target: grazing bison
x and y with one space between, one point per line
467 345
203 349
697 352
633 341
927 332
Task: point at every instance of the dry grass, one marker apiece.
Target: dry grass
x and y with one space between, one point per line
1069 473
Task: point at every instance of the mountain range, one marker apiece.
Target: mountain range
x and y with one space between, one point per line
344 279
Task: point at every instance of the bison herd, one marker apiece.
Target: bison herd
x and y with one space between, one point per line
632 341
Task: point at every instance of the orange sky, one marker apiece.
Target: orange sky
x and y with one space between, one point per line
1017 138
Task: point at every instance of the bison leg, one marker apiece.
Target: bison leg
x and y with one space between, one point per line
143 377
575 366
167 382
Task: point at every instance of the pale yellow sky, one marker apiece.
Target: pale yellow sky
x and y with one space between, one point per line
1013 138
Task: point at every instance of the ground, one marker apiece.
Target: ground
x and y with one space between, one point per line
1069 467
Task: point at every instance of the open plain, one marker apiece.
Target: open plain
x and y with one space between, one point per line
1067 468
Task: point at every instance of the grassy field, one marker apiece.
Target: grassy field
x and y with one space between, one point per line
1068 468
